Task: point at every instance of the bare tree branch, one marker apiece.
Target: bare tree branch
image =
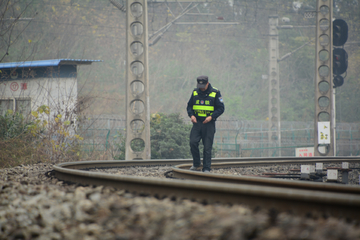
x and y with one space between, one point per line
11 13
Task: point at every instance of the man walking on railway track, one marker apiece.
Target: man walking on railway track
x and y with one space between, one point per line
204 107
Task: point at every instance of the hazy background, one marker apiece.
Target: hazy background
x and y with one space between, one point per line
233 56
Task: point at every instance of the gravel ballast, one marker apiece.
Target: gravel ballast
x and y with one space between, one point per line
33 206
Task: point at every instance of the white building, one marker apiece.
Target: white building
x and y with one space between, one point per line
25 86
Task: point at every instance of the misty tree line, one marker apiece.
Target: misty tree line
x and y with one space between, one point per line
233 56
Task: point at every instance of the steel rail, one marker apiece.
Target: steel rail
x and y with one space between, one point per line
182 172
251 162
298 201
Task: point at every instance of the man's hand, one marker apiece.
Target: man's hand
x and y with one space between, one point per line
193 119
208 119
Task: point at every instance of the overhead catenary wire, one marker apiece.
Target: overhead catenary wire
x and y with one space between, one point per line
164 28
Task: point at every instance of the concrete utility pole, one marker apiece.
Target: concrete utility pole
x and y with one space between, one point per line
274 89
137 82
324 134
274 99
137 144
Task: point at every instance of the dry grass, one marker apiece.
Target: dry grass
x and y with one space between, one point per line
20 150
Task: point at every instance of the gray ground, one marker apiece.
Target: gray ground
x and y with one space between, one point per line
33 206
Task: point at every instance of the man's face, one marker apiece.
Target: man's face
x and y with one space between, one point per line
203 89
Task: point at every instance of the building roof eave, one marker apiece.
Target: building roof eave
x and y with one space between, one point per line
47 63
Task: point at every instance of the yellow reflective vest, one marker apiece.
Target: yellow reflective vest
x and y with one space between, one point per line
204 106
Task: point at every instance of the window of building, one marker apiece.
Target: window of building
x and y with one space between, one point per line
6 104
22 105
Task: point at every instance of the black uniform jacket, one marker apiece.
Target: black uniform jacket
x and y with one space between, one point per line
219 106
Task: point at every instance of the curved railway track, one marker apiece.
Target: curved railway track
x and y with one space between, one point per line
298 197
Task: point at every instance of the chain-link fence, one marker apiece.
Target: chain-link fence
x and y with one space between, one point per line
233 138
236 138
101 133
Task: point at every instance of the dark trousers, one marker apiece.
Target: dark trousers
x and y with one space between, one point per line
204 132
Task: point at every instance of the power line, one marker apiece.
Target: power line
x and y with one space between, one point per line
193 33
79 6
77 24
111 9
81 35
88 35
200 43
242 36
75 5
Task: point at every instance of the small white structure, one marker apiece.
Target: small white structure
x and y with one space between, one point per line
25 86
332 175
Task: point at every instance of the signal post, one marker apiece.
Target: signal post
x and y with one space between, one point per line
274 99
323 136
137 82
330 64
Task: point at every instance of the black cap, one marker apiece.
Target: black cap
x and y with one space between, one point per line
202 81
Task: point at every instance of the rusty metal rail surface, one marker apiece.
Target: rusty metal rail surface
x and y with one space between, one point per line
317 199
181 171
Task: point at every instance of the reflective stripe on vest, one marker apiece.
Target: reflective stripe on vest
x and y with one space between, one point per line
202 107
203 110
199 114
213 94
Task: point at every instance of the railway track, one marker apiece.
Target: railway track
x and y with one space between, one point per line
298 197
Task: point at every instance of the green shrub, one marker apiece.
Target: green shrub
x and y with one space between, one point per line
169 138
17 144
25 141
12 125
119 146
